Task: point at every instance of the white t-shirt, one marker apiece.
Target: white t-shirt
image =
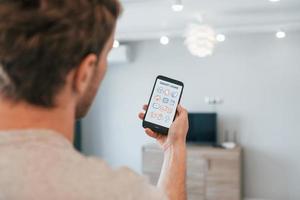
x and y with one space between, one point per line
43 165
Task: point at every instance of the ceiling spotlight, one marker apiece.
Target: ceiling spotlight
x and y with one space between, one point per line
280 34
177 6
274 0
164 40
116 44
220 38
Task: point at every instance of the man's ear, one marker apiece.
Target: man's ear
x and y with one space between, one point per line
84 73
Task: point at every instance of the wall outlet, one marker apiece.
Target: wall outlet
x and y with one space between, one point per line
213 100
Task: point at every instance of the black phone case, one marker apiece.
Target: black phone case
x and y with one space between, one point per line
155 127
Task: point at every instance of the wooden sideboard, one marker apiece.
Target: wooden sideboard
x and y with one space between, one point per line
212 173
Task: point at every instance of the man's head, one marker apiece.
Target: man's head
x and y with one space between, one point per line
48 45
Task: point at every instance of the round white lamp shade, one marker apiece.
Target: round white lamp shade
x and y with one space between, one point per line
200 40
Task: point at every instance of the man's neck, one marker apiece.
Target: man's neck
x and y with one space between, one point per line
16 116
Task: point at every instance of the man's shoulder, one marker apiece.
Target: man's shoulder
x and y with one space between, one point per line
55 169
100 180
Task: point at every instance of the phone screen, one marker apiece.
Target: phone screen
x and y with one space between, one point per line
163 103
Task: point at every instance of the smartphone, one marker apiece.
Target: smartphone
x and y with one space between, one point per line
162 105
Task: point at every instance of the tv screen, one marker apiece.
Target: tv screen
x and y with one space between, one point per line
202 128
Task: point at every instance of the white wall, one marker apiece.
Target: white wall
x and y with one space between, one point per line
257 75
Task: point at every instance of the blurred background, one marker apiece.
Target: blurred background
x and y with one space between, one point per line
237 58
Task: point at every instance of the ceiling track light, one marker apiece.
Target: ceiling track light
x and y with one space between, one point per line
164 40
177 6
280 34
220 37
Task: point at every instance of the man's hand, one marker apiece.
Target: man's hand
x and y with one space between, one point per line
177 131
173 173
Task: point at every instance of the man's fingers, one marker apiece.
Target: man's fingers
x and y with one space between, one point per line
145 107
151 133
141 116
181 110
181 113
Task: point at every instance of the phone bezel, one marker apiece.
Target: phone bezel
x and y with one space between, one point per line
155 127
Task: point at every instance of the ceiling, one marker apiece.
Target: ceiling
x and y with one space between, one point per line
149 19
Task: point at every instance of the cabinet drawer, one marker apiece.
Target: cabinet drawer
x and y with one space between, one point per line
152 177
224 192
223 171
195 186
196 166
223 179
192 196
152 161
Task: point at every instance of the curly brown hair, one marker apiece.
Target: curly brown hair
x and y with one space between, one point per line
42 40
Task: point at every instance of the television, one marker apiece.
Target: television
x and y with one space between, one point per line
202 128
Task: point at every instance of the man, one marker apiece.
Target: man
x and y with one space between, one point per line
52 61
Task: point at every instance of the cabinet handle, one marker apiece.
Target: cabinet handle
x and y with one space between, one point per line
207 164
